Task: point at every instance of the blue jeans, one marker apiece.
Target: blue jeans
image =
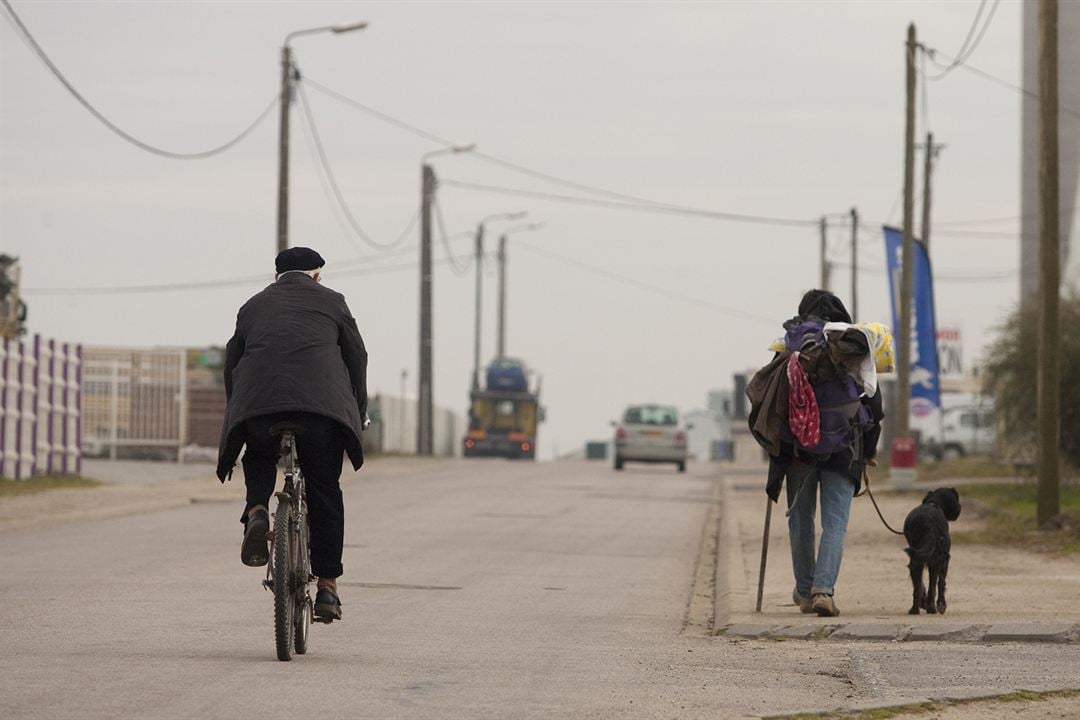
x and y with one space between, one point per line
817 574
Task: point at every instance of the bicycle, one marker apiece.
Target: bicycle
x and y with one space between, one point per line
288 573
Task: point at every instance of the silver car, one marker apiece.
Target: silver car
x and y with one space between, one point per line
650 433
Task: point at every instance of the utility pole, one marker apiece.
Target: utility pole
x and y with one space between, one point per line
401 412
854 265
907 277
283 148
479 276
1048 376
500 344
931 151
425 437
289 75
824 255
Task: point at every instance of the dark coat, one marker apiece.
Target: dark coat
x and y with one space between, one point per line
296 348
768 392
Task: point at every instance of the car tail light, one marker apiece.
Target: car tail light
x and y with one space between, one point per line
680 438
620 434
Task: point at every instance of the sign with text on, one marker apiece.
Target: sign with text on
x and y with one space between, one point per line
950 352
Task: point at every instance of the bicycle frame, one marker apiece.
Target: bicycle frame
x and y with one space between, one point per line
295 494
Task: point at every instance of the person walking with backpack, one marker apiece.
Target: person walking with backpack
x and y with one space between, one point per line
817 411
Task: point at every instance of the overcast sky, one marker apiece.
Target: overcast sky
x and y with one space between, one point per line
785 109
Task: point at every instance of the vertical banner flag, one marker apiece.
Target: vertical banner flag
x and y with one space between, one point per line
925 387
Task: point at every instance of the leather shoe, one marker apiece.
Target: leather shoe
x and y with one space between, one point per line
805 604
824 606
327 605
254 551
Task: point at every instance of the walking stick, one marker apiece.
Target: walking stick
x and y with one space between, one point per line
764 551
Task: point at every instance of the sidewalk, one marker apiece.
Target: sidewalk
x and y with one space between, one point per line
995 594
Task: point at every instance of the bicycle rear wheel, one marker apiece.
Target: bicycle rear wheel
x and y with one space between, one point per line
284 593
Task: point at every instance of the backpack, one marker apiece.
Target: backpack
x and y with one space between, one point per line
843 415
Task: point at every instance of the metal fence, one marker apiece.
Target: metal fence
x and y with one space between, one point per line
134 402
40 404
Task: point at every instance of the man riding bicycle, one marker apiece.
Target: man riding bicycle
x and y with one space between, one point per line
296 356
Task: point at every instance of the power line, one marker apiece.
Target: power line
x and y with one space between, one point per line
23 32
215 284
345 268
965 51
998 220
875 227
459 270
346 231
378 114
949 276
325 163
932 53
671 210
626 280
985 27
492 159
925 101
633 202
971 30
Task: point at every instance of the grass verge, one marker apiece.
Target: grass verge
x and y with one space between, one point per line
926 708
967 467
12 488
1010 512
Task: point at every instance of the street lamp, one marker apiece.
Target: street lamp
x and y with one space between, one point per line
288 76
453 149
479 275
425 427
500 343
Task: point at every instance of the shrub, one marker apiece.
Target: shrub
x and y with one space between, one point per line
1011 372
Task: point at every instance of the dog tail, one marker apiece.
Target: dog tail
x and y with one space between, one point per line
919 553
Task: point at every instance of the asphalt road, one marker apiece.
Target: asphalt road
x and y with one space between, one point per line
481 589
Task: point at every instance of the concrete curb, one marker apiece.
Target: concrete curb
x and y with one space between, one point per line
701 617
1005 632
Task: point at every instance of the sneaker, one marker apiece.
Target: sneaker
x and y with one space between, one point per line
327 605
804 603
824 606
254 551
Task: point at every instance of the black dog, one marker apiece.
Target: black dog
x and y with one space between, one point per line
927 531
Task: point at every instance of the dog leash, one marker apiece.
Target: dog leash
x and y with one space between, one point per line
866 480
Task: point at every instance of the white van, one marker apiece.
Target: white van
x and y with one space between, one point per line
963 429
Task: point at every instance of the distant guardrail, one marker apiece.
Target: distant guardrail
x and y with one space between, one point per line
40 408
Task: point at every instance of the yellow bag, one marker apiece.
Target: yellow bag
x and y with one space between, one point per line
881 343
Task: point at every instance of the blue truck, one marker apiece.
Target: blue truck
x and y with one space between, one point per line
504 415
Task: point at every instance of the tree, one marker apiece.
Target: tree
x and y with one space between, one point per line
1010 372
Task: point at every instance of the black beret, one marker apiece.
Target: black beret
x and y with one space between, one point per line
298 258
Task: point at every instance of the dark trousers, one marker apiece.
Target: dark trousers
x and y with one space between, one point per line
320 450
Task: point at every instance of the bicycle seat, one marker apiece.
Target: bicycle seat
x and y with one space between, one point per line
281 428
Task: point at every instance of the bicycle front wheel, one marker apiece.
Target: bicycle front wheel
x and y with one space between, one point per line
284 595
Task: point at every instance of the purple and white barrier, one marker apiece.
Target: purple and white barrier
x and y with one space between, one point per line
39 408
